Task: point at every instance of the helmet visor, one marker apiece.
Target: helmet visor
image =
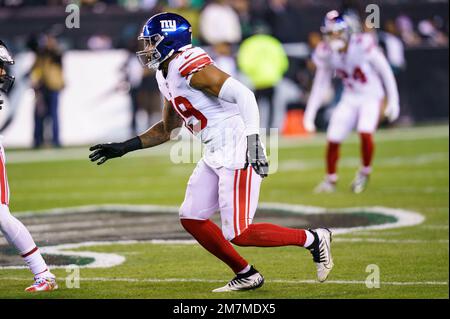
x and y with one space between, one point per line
148 53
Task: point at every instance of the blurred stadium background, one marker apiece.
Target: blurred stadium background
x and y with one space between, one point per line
105 94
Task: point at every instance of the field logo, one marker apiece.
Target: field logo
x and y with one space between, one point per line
73 277
373 280
91 232
168 25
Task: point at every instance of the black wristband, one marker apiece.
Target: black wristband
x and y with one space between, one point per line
132 145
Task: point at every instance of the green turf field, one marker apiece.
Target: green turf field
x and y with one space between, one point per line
410 172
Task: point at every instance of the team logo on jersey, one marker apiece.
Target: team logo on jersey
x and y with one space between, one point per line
168 25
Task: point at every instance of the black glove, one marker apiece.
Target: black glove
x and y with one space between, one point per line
256 156
104 152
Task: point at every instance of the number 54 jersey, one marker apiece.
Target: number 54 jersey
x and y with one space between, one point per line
217 123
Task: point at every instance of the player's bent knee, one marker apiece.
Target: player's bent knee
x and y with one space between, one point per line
5 217
231 236
4 213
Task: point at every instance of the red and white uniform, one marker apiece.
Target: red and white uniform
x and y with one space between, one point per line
4 186
219 181
367 78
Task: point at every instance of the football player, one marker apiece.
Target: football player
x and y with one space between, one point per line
369 90
15 232
224 114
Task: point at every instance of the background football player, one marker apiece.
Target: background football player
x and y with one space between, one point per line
369 83
224 114
15 232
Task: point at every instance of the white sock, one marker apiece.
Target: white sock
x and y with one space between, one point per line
18 236
36 263
332 178
245 270
309 238
366 170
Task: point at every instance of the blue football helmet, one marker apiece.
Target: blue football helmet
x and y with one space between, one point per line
162 36
6 81
336 30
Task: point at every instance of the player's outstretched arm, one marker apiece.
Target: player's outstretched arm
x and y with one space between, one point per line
161 131
156 135
381 65
213 81
321 83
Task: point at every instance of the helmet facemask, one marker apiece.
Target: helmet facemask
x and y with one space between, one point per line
150 56
337 40
6 81
336 30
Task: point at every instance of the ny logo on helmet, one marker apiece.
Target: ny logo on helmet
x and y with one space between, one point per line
168 25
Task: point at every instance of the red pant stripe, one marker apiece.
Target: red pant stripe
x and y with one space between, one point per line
3 182
247 217
242 200
235 202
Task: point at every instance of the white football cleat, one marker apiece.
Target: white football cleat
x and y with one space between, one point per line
43 284
321 252
360 182
325 187
248 281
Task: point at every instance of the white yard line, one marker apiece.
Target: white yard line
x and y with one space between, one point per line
398 161
389 241
81 153
275 281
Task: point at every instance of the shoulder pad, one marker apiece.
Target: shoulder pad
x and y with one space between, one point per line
365 42
193 60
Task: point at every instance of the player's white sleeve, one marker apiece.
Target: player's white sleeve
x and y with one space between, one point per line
381 65
321 84
234 91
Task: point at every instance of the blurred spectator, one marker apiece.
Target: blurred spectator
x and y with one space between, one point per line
223 58
47 80
220 27
134 73
247 12
148 100
143 89
263 60
431 34
283 20
99 42
219 23
394 49
189 11
405 28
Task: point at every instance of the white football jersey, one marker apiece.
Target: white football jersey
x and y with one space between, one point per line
217 123
353 67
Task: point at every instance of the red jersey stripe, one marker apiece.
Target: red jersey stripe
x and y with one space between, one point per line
191 60
196 66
